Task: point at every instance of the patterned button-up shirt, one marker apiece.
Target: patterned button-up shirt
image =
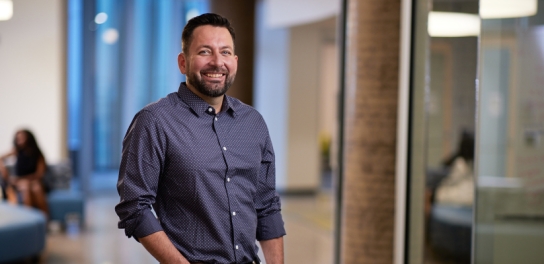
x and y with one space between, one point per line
209 177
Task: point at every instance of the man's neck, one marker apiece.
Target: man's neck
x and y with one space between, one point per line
215 102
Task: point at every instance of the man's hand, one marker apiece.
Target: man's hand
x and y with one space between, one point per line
273 250
159 245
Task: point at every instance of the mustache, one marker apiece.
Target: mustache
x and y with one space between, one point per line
215 70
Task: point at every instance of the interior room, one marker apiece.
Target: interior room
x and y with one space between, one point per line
403 131
91 65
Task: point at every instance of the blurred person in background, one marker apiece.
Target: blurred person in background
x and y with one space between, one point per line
29 170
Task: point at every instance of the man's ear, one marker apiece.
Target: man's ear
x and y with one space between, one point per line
181 63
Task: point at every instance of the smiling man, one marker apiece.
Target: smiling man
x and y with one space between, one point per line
204 162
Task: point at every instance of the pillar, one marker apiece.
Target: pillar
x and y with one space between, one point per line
370 123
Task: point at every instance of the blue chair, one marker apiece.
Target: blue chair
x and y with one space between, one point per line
63 199
22 232
451 231
65 203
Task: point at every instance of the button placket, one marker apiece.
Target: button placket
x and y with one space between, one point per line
219 131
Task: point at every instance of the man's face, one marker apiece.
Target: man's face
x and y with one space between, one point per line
210 65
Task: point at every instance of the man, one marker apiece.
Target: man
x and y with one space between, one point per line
204 162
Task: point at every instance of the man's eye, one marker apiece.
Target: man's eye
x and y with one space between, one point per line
204 52
226 52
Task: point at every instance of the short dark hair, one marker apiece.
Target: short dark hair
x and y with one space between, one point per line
202 20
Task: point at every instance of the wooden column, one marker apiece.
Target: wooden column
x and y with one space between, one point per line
241 14
370 108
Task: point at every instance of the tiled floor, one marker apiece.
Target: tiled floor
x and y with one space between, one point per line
308 221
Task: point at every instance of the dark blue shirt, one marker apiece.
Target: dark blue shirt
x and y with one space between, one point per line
210 178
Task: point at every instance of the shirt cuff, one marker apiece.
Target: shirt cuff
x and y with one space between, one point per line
270 227
148 225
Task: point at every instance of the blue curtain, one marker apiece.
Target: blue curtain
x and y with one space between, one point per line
135 63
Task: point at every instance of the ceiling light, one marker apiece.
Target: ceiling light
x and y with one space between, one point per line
110 36
101 18
507 8
6 9
449 24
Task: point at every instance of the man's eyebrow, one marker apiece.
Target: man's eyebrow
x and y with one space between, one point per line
210 47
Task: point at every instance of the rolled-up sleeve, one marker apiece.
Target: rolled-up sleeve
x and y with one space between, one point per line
270 222
141 164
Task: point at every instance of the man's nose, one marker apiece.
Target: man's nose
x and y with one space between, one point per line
217 60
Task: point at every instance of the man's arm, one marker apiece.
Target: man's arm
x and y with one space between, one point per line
160 246
270 229
139 174
273 250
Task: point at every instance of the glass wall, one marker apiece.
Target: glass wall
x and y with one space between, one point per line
477 132
509 225
443 107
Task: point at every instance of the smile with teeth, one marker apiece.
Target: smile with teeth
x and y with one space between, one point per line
214 75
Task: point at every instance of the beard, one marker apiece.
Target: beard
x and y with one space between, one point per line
210 89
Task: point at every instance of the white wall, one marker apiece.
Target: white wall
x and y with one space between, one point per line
296 92
32 75
329 97
307 43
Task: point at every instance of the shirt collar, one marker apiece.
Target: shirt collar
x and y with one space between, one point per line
199 106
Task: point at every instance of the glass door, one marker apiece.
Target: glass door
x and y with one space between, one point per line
476 165
443 120
509 219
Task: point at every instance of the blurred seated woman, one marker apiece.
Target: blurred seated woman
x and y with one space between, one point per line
453 183
29 170
457 188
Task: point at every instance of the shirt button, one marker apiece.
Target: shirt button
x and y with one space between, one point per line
228 179
210 109
236 246
233 213
224 148
216 118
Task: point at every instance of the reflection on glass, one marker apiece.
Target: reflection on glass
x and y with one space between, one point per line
449 136
509 224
